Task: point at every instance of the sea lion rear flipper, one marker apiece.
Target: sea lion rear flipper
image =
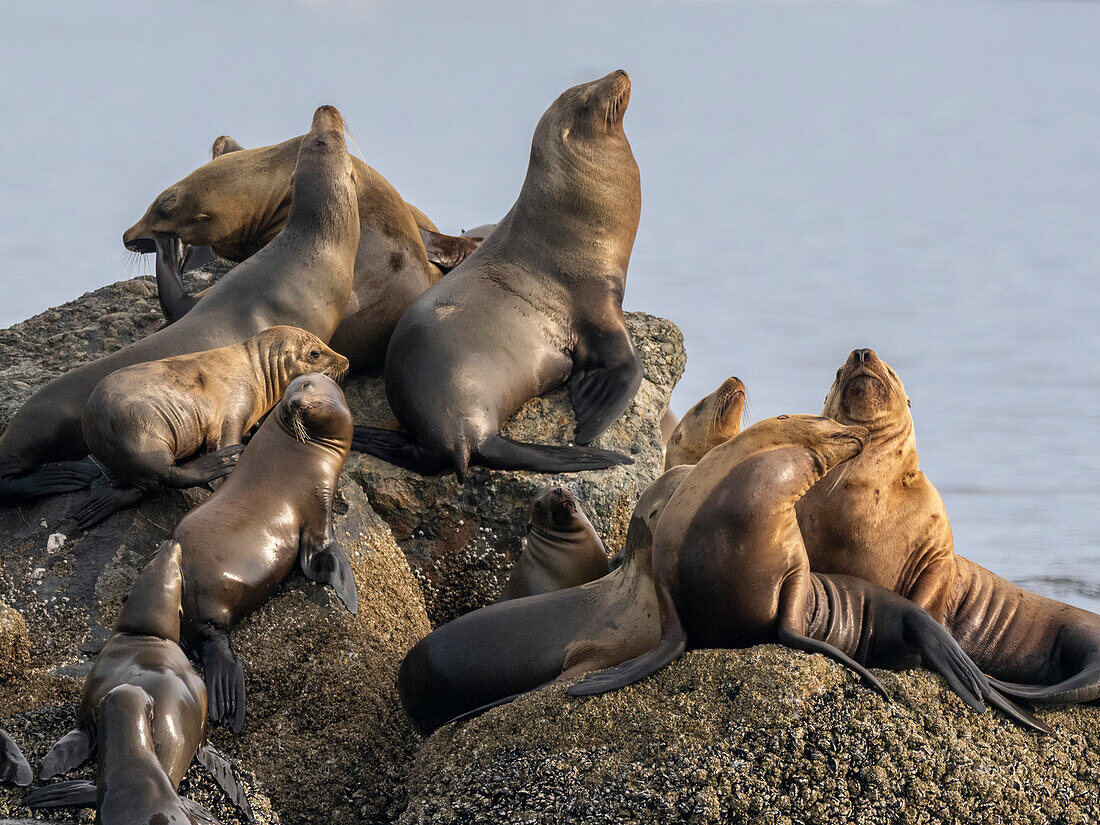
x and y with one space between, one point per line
500 453
105 502
329 565
397 448
224 677
70 751
48 480
606 374
447 251
1080 688
172 256
14 767
198 813
75 793
211 759
668 649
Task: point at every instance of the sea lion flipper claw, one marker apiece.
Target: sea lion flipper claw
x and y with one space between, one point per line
604 381
212 759
447 251
328 565
75 793
14 767
70 751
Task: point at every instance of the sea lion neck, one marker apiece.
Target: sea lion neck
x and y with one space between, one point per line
153 606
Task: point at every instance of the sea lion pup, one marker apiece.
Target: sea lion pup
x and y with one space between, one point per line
881 519
145 708
539 302
563 549
275 508
712 421
729 552
239 201
141 420
303 279
14 768
490 656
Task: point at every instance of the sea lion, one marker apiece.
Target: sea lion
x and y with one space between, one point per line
728 550
562 547
669 421
710 422
490 656
275 508
141 420
145 707
14 768
539 302
239 201
303 278
880 518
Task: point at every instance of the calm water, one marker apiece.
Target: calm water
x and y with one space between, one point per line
918 177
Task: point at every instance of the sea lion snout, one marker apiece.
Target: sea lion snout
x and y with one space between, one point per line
328 118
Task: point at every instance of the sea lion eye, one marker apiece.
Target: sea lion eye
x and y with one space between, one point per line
315 354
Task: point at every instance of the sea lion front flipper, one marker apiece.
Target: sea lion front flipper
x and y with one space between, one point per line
172 256
211 759
328 564
48 480
224 677
606 374
397 448
14 767
75 793
69 752
205 468
668 649
500 453
447 251
106 502
199 814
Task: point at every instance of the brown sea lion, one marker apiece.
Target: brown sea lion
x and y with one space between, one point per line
145 707
562 547
728 550
669 422
14 768
881 519
303 279
538 303
239 201
141 420
275 509
712 421
490 656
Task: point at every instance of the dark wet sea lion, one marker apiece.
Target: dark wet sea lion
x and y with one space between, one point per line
710 422
538 303
141 421
492 655
883 520
303 278
144 706
14 768
729 552
562 547
275 509
239 201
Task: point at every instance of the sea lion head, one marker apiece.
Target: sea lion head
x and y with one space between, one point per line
555 508
292 352
866 391
155 601
712 421
648 510
313 409
219 205
324 187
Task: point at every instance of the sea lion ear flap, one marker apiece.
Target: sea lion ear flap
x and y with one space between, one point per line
447 251
223 145
328 565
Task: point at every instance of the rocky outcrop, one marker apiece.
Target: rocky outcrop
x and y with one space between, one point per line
751 736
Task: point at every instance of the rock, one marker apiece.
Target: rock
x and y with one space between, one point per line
462 540
15 647
759 735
